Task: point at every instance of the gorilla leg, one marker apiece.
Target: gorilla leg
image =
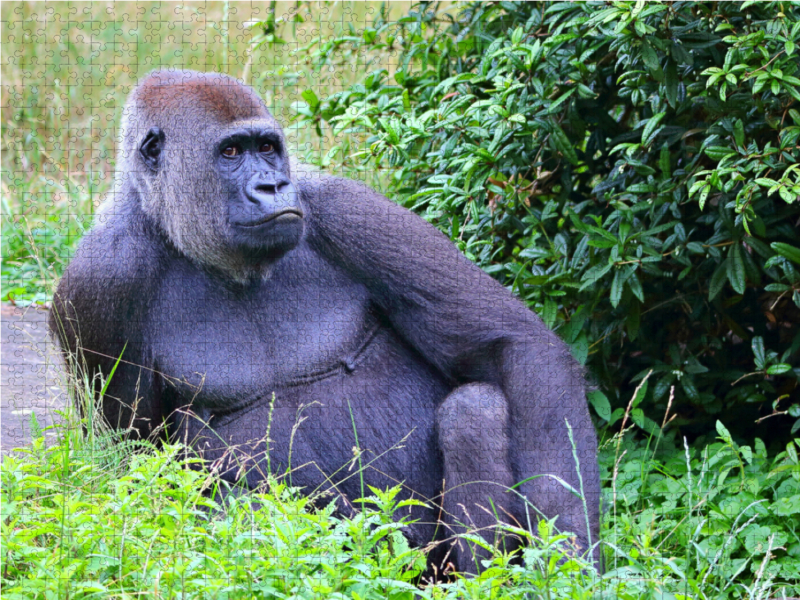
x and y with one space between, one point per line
472 423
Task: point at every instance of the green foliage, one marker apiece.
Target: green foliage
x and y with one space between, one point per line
90 517
630 169
38 240
72 528
99 515
728 514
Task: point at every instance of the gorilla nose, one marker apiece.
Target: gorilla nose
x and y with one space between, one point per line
266 199
266 187
270 192
270 187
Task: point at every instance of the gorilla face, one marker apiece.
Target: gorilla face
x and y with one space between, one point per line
264 212
261 216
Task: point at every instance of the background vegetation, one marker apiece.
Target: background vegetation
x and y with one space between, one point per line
628 168
67 70
98 516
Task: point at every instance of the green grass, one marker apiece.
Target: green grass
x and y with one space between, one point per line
98 516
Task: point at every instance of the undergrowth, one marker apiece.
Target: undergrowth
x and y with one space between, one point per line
96 515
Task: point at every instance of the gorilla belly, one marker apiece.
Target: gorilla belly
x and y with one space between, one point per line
381 400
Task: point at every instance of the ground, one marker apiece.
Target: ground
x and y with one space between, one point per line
31 378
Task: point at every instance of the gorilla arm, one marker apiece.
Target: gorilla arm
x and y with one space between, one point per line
99 311
473 330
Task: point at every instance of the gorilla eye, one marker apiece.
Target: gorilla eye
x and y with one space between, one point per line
231 151
266 148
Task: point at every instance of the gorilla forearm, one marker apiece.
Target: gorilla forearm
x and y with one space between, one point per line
546 389
98 316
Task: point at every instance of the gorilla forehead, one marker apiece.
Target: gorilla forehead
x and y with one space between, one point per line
221 98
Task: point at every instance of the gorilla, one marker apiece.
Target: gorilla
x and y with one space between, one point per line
304 325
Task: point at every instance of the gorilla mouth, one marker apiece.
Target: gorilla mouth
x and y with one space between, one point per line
289 212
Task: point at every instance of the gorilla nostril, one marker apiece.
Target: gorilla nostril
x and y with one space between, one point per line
268 188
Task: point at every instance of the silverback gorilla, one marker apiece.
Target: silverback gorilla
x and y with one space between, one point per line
223 279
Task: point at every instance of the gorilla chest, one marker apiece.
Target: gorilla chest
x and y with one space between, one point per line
222 348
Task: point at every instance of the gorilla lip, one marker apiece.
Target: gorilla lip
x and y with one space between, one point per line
289 211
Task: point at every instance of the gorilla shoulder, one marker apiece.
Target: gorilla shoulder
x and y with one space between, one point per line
115 269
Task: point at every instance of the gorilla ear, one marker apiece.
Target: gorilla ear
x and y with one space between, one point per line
151 147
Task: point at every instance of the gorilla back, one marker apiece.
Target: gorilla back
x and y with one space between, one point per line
249 299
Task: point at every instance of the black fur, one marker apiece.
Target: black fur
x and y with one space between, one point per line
368 322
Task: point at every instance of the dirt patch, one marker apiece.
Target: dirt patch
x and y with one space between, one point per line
30 375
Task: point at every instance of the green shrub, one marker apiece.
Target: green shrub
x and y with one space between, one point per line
629 169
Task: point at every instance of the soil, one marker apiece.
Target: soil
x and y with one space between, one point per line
31 376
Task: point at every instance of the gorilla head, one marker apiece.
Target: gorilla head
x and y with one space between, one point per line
185 132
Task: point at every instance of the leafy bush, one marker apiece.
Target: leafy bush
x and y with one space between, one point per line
629 169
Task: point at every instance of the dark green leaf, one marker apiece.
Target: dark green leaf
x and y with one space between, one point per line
719 152
636 287
779 369
718 280
616 288
650 128
650 57
640 395
787 251
695 248
664 161
580 348
680 54
736 272
549 311
689 387
563 144
738 133
646 423
602 243
757 344
671 83
601 405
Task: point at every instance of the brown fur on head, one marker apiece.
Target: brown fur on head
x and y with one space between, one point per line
184 196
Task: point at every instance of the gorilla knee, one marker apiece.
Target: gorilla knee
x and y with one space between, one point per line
473 424
474 439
